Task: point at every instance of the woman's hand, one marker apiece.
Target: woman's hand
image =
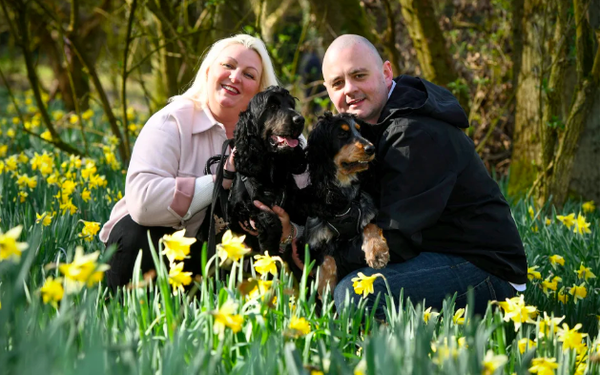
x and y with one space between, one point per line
229 166
286 225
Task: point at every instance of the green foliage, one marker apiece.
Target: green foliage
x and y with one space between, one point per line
148 329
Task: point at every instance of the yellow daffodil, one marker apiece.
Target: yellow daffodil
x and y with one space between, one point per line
533 274
547 221
86 195
265 264
67 187
516 310
97 181
10 133
548 324
90 228
23 196
226 317
87 114
427 314
585 273
23 159
364 284
10 163
177 278
578 292
300 326
84 267
458 317
177 246
57 115
260 289
130 113
543 366
535 229
562 296
588 207
492 362
462 343
74 119
9 247
568 220
361 367
580 369
3 150
89 170
67 205
581 226
557 260
232 247
45 219
525 344
52 291
570 338
550 284
46 136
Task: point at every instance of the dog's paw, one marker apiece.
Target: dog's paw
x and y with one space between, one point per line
377 252
327 276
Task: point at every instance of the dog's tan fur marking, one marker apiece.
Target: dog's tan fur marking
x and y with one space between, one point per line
327 275
377 252
357 126
350 153
345 127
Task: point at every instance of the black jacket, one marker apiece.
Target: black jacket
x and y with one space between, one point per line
432 189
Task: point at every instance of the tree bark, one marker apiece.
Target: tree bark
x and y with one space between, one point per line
552 111
526 155
336 17
430 45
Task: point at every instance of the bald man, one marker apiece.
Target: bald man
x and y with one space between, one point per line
447 224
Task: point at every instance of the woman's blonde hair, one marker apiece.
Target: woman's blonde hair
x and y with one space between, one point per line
197 91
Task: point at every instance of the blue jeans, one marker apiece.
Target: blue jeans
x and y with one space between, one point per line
429 276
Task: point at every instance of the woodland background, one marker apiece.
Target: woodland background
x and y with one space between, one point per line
527 72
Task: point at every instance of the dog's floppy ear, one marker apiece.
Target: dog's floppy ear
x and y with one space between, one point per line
248 144
319 150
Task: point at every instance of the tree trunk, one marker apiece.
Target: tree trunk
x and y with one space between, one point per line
527 152
336 17
429 42
553 114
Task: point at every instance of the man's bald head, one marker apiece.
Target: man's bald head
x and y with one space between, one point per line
347 41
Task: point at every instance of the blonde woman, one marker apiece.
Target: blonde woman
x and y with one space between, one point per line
166 188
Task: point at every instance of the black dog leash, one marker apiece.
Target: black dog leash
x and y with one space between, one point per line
218 191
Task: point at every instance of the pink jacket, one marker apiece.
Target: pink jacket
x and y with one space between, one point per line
168 156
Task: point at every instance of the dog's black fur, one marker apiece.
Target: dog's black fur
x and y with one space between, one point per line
338 210
267 154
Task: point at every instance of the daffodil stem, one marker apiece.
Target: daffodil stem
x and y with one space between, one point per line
500 339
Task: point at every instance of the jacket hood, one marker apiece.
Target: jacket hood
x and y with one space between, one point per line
418 96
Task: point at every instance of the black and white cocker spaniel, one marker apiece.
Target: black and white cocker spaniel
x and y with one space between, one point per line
268 152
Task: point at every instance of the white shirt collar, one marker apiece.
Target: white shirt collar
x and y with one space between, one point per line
392 89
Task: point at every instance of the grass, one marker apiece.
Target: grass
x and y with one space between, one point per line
150 329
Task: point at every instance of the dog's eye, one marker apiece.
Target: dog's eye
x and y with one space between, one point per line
343 134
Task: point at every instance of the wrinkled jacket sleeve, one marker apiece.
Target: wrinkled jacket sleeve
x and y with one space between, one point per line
418 176
155 193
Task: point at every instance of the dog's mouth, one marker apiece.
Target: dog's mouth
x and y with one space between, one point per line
281 142
355 166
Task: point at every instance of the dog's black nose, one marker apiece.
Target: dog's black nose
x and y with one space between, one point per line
298 120
369 149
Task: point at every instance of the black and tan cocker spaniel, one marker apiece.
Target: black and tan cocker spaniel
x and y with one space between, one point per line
268 152
339 212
